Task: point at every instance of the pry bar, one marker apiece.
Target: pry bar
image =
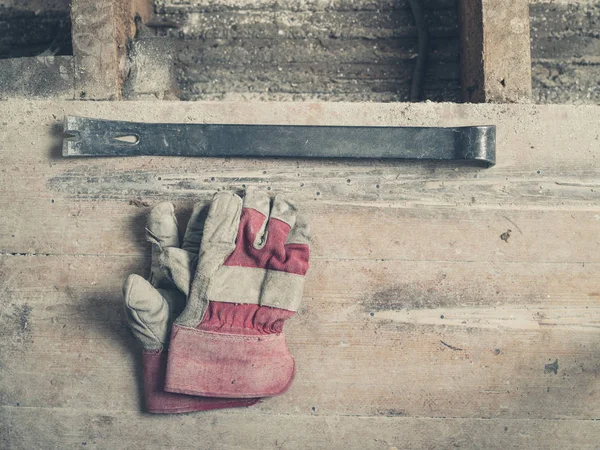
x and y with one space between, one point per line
96 137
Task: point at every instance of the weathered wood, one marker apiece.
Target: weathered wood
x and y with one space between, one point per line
361 52
65 428
455 234
495 51
381 335
37 5
96 51
425 322
100 30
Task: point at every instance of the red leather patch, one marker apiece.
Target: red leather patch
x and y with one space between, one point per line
275 254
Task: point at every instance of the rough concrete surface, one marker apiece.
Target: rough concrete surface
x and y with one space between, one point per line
31 28
565 51
37 77
347 50
339 50
150 70
361 50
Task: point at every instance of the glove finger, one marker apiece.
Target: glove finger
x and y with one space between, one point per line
147 312
161 228
178 267
254 225
297 251
218 242
300 232
195 228
282 220
222 221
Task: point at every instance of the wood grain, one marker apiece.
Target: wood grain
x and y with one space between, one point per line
67 428
496 51
426 323
96 40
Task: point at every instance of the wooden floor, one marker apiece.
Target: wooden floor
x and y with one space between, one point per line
446 307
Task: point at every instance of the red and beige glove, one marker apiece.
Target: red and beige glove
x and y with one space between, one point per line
229 340
151 306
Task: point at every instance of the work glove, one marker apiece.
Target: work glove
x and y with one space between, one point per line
229 340
150 307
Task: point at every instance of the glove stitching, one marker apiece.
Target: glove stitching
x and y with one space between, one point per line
232 337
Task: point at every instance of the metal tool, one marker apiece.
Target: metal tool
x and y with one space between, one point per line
95 137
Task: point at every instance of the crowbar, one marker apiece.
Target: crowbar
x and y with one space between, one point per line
96 137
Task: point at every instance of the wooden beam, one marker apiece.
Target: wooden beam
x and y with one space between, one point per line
495 51
101 29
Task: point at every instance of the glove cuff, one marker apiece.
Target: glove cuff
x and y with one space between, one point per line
160 402
228 365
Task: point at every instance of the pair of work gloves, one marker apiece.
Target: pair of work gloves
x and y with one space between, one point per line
210 318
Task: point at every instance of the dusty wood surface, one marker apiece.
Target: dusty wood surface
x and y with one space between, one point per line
426 323
100 31
96 43
495 51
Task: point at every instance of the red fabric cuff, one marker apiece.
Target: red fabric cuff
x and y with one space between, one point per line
228 365
160 402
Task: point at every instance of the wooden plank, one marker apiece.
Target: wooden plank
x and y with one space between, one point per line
28 29
496 55
96 51
553 81
27 428
151 73
106 227
343 53
538 193
100 30
367 336
556 140
37 5
423 324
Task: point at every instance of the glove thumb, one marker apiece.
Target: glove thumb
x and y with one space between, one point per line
149 311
